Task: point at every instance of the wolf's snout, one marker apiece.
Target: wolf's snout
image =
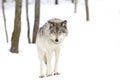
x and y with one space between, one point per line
56 40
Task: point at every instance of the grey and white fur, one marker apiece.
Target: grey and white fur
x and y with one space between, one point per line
49 39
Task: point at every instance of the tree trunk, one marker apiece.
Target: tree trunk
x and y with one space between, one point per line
36 20
3 10
4 1
27 18
17 27
72 1
87 10
75 6
56 2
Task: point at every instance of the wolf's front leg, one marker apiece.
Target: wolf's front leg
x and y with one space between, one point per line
41 54
41 70
49 68
57 51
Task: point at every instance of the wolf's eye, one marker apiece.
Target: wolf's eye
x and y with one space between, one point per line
63 31
53 32
60 32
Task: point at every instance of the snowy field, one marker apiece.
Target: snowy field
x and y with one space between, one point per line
90 53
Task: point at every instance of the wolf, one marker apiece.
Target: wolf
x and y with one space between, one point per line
49 40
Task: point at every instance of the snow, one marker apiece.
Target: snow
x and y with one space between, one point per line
90 53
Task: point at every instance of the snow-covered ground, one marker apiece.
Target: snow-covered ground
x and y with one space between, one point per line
90 53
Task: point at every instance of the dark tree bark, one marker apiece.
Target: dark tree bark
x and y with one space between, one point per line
75 6
27 18
56 2
3 11
72 1
87 10
4 1
36 20
17 28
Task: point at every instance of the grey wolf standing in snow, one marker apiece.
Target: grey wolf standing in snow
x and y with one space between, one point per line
49 39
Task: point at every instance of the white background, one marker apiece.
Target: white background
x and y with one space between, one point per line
90 53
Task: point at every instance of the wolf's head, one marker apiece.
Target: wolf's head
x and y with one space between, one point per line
57 30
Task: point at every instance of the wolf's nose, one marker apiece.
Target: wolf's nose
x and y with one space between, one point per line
56 40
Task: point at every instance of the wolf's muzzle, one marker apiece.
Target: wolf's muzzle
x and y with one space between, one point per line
56 40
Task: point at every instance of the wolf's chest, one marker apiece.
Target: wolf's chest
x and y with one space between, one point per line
48 46
51 46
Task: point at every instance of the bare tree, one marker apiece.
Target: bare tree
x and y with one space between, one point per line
72 1
87 10
3 10
36 20
56 2
4 0
75 6
17 27
27 18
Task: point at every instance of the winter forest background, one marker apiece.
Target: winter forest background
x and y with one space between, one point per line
90 53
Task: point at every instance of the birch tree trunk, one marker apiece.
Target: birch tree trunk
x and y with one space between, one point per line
28 24
17 28
87 10
72 1
4 0
56 2
75 6
36 20
3 11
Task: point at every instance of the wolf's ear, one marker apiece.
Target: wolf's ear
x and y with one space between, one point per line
51 23
64 23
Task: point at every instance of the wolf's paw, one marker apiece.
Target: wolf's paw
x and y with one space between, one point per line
48 75
56 73
42 76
